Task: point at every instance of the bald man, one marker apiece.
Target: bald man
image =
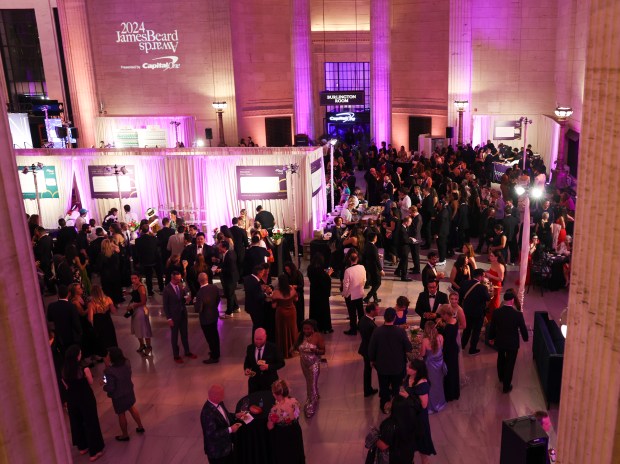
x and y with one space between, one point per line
262 361
217 427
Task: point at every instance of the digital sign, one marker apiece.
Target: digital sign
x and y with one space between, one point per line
103 182
348 97
261 183
349 117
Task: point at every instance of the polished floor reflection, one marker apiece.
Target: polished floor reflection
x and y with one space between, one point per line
170 396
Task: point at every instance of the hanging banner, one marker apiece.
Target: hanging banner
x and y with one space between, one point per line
46 183
103 182
347 97
316 174
261 183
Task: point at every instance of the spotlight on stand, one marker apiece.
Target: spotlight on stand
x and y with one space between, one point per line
33 168
536 193
520 190
333 142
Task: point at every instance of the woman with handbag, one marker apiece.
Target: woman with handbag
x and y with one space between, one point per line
137 310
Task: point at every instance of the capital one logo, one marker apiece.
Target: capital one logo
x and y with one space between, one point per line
166 63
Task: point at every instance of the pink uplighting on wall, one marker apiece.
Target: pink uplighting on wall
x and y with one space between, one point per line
302 68
380 63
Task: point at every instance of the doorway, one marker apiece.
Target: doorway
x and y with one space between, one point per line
279 132
418 125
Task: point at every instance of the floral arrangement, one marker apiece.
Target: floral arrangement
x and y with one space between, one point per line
374 210
414 331
277 234
215 232
133 225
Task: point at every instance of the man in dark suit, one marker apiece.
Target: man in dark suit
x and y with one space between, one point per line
442 230
374 269
265 218
94 249
66 235
504 329
366 327
229 276
387 352
217 426
240 239
429 272
428 302
207 302
511 231
262 362
64 321
401 242
474 297
254 287
335 243
415 232
200 247
43 253
147 257
254 256
427 213
163 235
176 313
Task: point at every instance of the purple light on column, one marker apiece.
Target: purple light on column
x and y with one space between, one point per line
302 68
380 86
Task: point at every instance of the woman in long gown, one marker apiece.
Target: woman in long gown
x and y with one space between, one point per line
288 442
140 324
89 344
496 275
100 310
431 351
311 347
417 383
283 300
296 279
110 269
320 290
82 405
449 327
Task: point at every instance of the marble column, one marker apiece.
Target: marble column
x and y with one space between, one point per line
380 64
589 429
301 48
460 65
80 68
32 426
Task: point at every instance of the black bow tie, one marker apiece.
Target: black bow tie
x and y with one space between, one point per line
432 296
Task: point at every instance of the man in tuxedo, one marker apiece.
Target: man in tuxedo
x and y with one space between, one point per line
367 326
401 243
64 321
254 256
415 230
262 362
240 239
217 426
229 276
374 269
427 212
474 297
335 243
43 253
387 352
430 272
147 257
353 292
416 197
176 243
428 302
206 304
254 287
511 231
66 235
442 230
266 219
176 313
192 252
163 235
504 329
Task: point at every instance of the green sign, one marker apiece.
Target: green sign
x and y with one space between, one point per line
46 182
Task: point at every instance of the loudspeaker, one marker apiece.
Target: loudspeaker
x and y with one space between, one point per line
301 140
75 133
61 132
449 132
523 441
209 133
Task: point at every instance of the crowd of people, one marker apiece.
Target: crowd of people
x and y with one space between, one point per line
444 201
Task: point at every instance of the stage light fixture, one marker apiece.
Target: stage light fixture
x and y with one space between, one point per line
200 143
333 142
520 190
537 192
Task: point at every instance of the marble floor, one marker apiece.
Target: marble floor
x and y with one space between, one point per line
170 396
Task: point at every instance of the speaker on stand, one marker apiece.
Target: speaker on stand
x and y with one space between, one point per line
523 441
209 134
450 133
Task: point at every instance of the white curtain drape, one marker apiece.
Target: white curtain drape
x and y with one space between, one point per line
106 127
481 132
548 140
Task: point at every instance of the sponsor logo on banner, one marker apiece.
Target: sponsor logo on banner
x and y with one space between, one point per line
343 117
135 34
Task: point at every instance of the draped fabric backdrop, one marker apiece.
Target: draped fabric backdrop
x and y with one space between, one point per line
107 126
201 184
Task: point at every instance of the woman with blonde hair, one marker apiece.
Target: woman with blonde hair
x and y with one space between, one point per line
432 352
110 269
100 310
283 421
449 327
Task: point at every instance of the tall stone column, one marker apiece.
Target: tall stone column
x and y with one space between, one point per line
80 68
460 65
380 63
32 428
301 48
589 429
